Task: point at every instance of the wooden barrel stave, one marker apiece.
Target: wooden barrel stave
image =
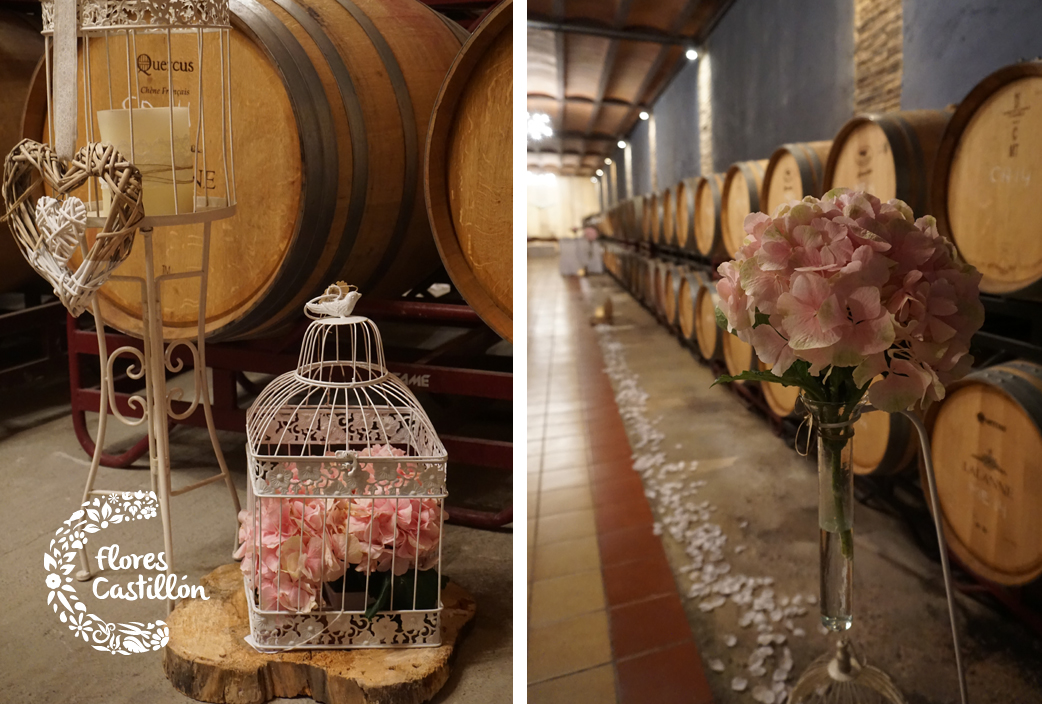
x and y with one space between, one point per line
781 400
740 196
669 228
671 290
884 444
707 227
687 293
685 205
709 336
739 355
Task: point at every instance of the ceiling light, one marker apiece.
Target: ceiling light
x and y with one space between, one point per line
622 144
593 179
691 54
599 172
644 115
607 160
539 126
548 177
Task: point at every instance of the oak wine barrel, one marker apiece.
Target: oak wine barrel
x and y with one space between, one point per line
884 444
687 309
658 275
650 217
781 400
986 180
710 337
684 197
708 232
669 219
889 155
21 51
342 92
469 182
740 196
635 218
739 356
670 292
794 171
986 439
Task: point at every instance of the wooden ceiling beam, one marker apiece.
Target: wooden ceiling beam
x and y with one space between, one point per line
621 14
634 34
586 101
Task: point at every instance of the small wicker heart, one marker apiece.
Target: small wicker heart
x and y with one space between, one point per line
50 233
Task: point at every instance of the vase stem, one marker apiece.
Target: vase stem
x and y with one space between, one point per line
836 514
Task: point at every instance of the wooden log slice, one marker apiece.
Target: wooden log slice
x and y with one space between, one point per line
685 205
21 53
986 182
740 196
208 659
889 155
708 232
794 171
710 337
986 439
469 181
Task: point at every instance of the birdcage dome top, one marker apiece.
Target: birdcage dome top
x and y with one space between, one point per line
341 398
96 15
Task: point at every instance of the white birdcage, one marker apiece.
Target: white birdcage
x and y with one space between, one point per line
341 538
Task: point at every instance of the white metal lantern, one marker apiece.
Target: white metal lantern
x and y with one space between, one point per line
341 538
153 80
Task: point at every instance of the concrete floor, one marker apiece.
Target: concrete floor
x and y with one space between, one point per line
43 469
710 464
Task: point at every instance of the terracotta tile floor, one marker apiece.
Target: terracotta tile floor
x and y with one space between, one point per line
605 622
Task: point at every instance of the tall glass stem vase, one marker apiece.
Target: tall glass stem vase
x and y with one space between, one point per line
835 424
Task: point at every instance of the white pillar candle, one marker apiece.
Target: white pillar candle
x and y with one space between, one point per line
152 155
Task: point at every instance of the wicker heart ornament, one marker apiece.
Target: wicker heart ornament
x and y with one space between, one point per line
49 234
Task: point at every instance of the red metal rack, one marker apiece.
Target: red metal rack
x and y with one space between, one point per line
229 361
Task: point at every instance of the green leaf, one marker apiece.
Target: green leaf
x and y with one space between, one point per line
721 320
751 375
761 319
383 598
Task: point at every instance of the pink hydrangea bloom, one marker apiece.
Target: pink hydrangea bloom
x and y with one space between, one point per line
292 545
849 281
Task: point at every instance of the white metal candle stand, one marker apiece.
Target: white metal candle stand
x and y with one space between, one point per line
111 22
153 363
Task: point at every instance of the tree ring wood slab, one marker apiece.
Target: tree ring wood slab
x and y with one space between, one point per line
208 660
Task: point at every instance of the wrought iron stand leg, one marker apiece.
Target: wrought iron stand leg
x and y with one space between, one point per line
156 381
205 391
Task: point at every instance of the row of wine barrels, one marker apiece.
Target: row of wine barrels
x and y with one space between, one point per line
740 196
986 440
21 50
986 183
343 92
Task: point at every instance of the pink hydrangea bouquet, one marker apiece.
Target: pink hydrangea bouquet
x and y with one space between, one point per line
840 296
833 293
355 544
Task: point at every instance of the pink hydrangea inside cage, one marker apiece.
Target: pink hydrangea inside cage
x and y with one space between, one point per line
341 538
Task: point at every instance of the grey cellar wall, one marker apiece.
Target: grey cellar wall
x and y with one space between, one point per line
783 71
